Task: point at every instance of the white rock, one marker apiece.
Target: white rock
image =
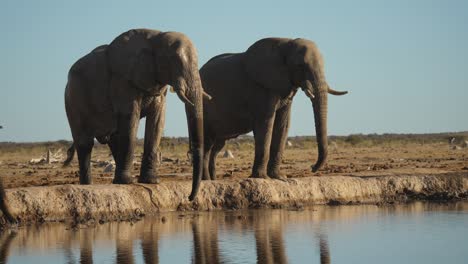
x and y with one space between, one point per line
109 168
37 161
49 157
289 143
228 154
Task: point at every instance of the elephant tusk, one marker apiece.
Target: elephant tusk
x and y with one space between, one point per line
331 91
184 98
207 96
309 94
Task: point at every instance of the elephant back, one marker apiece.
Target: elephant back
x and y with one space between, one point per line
91 61
92 69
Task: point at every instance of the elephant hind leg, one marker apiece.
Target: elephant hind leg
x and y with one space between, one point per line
70 155
84 147
113 145
208 148
218 146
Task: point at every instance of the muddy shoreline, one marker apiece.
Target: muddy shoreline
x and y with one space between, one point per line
103 203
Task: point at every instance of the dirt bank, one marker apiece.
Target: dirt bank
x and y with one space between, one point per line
124 202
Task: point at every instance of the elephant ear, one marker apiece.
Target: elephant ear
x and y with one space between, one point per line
142 70
131 57
265 64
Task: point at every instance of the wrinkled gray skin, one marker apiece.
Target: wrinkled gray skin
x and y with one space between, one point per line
253 91
4 208
115 85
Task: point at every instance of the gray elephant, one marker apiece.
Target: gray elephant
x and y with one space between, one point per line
4 207
253 91
115 85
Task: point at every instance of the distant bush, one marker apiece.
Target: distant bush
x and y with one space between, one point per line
354 139
246 142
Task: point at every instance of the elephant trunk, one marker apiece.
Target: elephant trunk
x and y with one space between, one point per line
319 98
190 91
320 115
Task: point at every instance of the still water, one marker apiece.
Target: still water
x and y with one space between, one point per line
410 233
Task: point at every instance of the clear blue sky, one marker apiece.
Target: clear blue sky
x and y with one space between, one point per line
405 63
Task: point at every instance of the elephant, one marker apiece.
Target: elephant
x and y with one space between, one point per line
253 91
206 247
4 207
110 89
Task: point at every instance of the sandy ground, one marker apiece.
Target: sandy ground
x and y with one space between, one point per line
395 159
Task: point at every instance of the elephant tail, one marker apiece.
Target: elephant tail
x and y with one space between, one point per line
70 155
4 205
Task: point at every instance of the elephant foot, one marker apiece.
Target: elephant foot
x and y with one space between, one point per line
86 180
258 175
278 176
314 168
149 178
122 179
206 177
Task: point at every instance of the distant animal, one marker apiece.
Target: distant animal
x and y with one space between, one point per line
452 141
253 91
115 85
457 143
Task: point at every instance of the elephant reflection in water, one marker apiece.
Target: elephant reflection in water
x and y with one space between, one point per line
86 248
324 250
124 235
124 245
269 238
268 232
85 237
5 243
270 242
149 243
267 227
205 240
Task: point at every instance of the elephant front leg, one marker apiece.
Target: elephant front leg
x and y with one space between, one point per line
153 132
127 126
114 146
278 142
262 134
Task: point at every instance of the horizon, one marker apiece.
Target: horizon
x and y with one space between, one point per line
403 63
249 135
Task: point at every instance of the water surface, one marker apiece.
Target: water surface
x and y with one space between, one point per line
410 233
